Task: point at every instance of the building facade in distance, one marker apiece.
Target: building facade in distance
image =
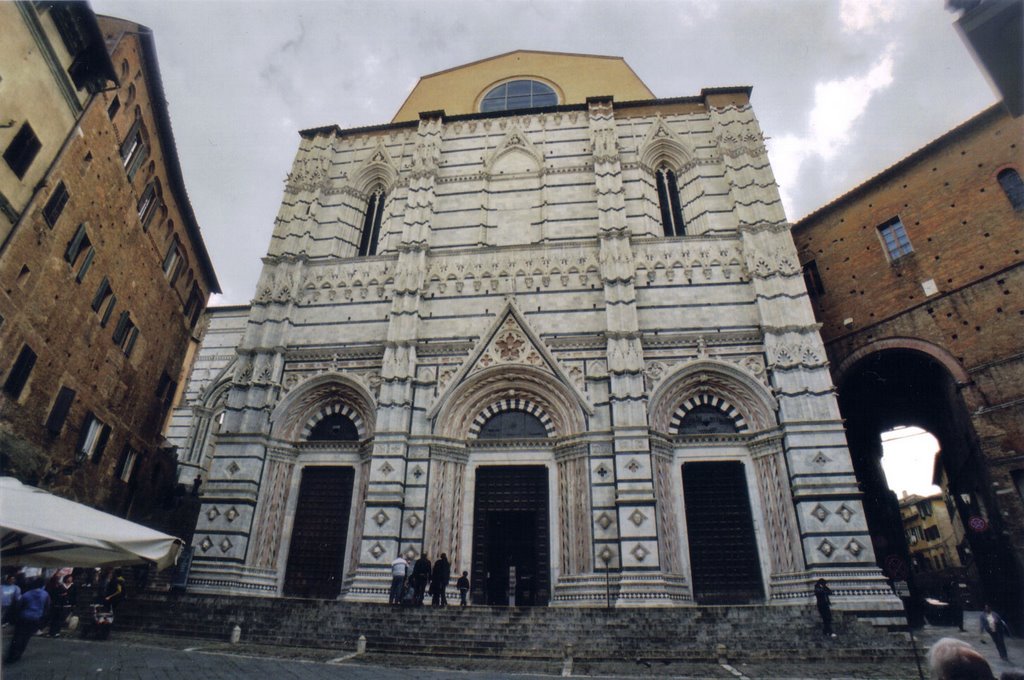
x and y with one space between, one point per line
555 328
916 277
103 272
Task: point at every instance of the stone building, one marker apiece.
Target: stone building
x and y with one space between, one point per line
548 324
916 277
103 272
933 541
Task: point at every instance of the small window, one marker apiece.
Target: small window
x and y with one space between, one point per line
59 412
92 439
172 262
931 533
194 306
371 223
148 205
924 509
115 106
22 150
55 204
103 301
335 427
126 465
80 252
668 202
894 236
1013 187
513 425
125 333
134 150
20 371
518 94
812 279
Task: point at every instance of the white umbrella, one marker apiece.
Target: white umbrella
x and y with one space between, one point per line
43 530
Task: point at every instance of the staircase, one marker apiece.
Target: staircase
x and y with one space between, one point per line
749 633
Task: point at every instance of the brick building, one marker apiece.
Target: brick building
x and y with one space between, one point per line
916 277
103 276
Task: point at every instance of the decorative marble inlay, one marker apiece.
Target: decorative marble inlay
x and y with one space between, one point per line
820 459
386 469
233 468
410 553
206 544
417 472
605 520
826 548
381 518
820 512
640 552
377 550
854 547
231 515
606 555
845 512
414 520
213 513
225 545
638 517
633 465
602 471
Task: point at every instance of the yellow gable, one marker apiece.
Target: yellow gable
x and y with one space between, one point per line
573 77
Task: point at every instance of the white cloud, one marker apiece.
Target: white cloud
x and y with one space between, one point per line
864 15
838 104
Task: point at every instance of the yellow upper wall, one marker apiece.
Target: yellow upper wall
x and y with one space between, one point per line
573 76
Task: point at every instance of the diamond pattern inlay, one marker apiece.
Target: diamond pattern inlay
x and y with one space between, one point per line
234 467
381 518
377 550
414 520
606 555
231 515
845 512
820 512
826 548
386 469
225 545
640 552
604 520
633 465
213 513
637 517
854 547
602 471
206 544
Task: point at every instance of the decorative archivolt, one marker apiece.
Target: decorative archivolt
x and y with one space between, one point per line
749 398
662 146
502 405
314 399
458 414
707 399
378 170
330 410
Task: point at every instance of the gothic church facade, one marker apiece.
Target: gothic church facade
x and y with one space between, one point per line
553 327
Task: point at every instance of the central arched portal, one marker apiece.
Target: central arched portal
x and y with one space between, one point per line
904 387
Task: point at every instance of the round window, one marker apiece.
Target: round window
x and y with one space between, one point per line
518 94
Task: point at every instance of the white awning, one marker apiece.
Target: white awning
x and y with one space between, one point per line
43 530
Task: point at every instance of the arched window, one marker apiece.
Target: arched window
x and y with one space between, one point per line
371 222
668 201
1013 187
706 419
334 428
518 94
512 425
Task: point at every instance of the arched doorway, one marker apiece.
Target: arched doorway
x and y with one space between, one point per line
895 387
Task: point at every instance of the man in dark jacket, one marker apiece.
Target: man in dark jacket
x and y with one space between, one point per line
994 625
421 577
32 610
63 596
439 581
821 595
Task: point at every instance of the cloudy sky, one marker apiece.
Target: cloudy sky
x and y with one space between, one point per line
843 88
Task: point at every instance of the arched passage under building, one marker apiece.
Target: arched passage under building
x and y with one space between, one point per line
901 386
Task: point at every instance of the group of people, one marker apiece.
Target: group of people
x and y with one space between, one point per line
410 583
31 603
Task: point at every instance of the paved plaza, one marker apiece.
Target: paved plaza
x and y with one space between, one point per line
137 657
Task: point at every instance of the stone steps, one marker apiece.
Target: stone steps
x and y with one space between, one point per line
689 634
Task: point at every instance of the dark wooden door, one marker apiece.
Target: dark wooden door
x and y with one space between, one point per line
317 553
510 529
723 549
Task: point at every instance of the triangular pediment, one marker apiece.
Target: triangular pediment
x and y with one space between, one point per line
511 341
515 154
377 169
663 145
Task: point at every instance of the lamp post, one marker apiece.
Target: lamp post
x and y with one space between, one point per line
606 557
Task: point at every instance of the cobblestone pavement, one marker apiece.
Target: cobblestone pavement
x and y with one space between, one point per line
144 657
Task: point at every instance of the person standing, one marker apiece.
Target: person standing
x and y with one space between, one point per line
31 612
399 572
60 603
115 592
421 577
463 585
440 577
11 595
997 629
821 594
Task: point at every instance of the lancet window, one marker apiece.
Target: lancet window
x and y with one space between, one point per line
668 202
371 222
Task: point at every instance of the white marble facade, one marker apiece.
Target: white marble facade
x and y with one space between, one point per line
522 264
